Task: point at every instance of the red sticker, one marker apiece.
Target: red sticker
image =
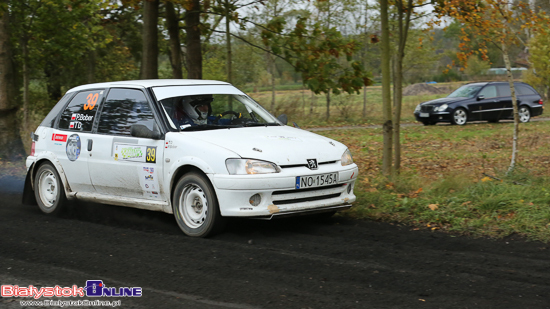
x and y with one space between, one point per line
59 137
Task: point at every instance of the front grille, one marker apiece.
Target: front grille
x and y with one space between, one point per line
426 108
307 199
296 196
305 164
306 190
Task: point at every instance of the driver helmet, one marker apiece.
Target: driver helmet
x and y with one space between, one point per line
198 107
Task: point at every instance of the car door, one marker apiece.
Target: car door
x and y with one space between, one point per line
486 105
71 134
505 101
121 164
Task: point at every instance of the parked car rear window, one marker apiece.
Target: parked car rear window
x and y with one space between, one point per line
525 90
122 109
79 114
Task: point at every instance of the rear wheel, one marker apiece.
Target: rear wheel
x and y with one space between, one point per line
524 114
459 117
196 207
48 190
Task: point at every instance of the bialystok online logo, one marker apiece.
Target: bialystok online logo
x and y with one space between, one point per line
94 288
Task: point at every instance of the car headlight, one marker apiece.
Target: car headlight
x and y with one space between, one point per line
441 108
250 166
417 109
346 159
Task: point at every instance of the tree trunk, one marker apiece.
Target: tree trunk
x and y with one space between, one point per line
193 40
515 105
397 100
386 90
328 105
364 101
312 103
149 57
11 146
228 46
172 23
272 69
52 72
25 72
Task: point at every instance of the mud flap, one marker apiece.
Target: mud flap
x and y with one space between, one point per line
28 192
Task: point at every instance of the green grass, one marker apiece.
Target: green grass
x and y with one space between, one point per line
443 183
309 110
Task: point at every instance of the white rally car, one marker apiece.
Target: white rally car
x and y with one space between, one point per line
202 150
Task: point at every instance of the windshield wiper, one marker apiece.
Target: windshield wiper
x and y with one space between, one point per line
203 127
256 124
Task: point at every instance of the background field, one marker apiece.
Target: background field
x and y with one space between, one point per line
453 178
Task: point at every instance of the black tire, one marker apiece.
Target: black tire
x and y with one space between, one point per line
48 190
459 117
524 114
195 206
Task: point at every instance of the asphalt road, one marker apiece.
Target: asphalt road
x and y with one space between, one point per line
293 263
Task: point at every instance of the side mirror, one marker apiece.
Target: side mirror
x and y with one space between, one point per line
139 130
283 118
480 97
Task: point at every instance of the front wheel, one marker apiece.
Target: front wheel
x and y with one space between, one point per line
524 114
196 207
459 117
48 190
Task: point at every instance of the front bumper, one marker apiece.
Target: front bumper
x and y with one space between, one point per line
433 116
279 196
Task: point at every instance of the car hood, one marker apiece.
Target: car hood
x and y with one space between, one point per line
444 101
282 145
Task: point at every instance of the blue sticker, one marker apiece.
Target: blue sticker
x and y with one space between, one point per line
73 147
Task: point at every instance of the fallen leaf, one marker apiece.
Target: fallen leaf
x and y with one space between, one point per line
433 206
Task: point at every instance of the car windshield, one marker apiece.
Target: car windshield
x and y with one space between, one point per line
466 91
200 112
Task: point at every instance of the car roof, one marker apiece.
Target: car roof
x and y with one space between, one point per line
146 83
495 83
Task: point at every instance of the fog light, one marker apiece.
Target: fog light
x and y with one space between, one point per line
350 187
255 199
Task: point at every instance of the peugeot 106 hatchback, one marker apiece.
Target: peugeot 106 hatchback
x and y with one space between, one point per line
202 150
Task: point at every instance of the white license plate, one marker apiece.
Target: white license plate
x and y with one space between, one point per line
424 115
303 182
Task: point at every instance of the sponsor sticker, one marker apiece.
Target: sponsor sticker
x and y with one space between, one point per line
59 137
73 147
135 153
149 182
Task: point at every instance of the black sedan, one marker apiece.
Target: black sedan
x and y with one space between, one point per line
489 101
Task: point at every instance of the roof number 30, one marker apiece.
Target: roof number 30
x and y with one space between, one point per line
91 100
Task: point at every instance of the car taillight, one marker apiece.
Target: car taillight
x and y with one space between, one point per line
540 101
32 149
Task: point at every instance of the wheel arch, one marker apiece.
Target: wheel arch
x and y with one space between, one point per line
55 163
182 170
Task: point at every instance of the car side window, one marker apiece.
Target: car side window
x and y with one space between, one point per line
504 91
79 114
488 92
524 90
122 109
